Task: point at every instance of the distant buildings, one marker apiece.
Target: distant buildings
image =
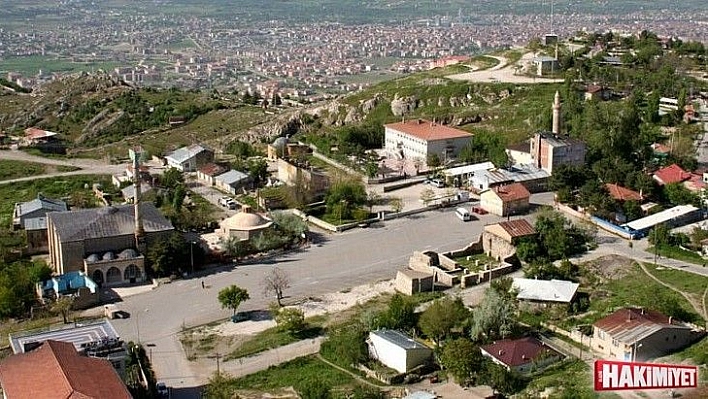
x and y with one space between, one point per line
417 139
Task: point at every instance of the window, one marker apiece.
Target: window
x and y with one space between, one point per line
615 342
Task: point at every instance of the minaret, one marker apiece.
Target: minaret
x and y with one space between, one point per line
556 114
135 155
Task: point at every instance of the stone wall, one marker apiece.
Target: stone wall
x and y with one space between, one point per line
496 247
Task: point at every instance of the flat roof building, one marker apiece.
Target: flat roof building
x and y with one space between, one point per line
418 138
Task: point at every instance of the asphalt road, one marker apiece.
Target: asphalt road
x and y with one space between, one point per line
332 263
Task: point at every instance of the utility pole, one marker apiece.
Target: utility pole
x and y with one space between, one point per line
216 356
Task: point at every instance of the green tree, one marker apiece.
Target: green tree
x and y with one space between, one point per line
494 318
396 204
400 314
291 320
463 360
235 247
290 224
365 392
504 286
313 389
433 161
442 317
677 194
258 170
345 195
219 387
502 380
659 235
232 296
346 346
170 254
171 178
62 306
427 195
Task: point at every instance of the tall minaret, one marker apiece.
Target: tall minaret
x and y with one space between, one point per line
556 114
135 155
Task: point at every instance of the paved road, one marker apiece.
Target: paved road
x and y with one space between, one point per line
333 263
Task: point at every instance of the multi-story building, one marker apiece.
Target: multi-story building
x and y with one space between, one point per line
417 139
549 150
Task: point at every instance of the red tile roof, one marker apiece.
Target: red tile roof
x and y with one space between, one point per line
34 133
671 174
427 130
695 183
623 194
512 192
518 228
56 370
517 352
212 169
628 319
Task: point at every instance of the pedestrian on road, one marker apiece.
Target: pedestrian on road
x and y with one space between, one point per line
203 284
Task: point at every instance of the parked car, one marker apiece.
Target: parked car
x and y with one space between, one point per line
227 202
437 183
162 390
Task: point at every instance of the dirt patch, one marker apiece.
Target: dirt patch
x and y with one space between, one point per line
610 267
285 393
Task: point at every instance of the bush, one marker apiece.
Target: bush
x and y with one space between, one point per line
345 346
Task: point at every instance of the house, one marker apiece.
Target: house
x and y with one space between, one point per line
596 92
545 291
486 179
548 150
397 350
623 194
522 355
128 192
504 200
637 334
283 148
106 243
56 370
671 174
417 139
190 158
546 65
500 239
231 181
31 217
208 172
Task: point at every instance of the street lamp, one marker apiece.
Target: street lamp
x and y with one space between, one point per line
137 323
191 254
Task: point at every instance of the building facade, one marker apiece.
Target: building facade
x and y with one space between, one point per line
397 350
549 150
505 200
417 139
190 158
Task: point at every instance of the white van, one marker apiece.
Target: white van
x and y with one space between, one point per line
463 214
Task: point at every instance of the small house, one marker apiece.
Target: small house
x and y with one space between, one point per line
504 200
522 355
397 350
190 158
231 181
545 291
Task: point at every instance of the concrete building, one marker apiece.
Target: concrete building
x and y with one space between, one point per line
549 150
93 339
461 175
231 181
410 282
674 217
545 65
31 217
92 240
504 200
398 351
522 355
190 158
417 139
303 175
208 172
635 334
500 239
56 370
520 153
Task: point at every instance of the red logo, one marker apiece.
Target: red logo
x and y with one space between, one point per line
613 375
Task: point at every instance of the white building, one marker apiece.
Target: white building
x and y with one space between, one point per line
417 139
560 291
397 350
189 159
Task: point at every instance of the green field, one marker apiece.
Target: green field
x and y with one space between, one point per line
294 373
15 169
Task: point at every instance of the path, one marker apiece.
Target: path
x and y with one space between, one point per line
696 305
353 375
87 166
503 72
244 366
